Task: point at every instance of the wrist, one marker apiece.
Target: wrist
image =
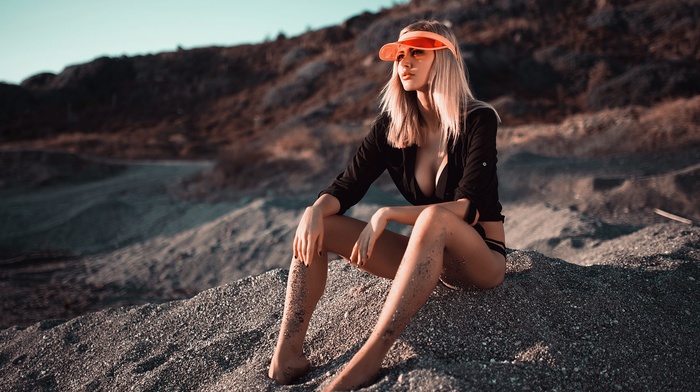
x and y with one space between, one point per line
384 212
314 209
326 205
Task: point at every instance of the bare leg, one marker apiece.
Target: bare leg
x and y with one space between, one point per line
304 288
306 285
435 230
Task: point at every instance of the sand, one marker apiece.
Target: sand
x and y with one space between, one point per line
628 324
189 294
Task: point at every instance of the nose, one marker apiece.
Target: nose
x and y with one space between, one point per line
404 62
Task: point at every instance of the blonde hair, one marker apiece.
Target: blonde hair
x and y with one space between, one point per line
449 91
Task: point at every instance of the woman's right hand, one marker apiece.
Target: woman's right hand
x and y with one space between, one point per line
364 246
308 240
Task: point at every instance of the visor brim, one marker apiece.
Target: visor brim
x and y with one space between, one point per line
389 51
423 40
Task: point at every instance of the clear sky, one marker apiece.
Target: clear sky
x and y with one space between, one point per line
47 35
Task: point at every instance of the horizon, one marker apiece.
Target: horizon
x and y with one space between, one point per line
83 30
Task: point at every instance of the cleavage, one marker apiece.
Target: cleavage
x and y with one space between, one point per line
428 171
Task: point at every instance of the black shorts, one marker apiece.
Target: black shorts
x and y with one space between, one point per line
496 245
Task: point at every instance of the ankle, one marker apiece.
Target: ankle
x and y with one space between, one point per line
358 373
285 371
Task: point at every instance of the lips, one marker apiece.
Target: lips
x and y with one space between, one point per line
406 75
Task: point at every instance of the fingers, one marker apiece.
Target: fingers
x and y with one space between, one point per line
360 251
312 251
309 248
319 244
298 247
370 247
305 250
366 250
295 247
354 255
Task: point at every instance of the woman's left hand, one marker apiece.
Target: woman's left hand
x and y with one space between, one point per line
364 246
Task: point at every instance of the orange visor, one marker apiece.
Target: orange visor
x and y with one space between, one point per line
418 40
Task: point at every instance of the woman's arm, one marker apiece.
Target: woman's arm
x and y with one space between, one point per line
408 215
366 166
308 239
479 182
327 204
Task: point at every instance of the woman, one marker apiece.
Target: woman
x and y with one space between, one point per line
439 145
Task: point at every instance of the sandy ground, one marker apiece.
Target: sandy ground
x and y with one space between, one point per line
114 282
629 324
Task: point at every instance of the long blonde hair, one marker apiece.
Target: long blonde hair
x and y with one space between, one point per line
449 91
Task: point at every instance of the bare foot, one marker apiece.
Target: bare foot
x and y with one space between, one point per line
289 371
358 373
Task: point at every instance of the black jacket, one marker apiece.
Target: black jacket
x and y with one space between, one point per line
470 172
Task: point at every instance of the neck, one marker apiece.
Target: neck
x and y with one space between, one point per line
427 111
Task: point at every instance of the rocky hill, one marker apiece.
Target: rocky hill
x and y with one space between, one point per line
536 61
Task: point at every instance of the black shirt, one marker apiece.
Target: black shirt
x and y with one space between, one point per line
470 172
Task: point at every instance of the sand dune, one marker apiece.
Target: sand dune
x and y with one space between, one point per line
626 324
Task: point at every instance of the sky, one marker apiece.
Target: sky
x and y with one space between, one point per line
47 35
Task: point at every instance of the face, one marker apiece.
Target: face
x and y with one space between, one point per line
413 67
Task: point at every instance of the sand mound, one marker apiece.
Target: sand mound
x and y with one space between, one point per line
180 247
668 126
81 206
621 190
248 241
629 323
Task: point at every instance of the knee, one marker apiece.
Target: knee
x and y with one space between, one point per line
431 221
433 216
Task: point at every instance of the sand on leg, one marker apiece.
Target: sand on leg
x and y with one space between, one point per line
436 230
305 287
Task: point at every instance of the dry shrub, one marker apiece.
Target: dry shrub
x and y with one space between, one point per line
598 74
322 149
250 166
293 157
348 135
298 142
667 126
